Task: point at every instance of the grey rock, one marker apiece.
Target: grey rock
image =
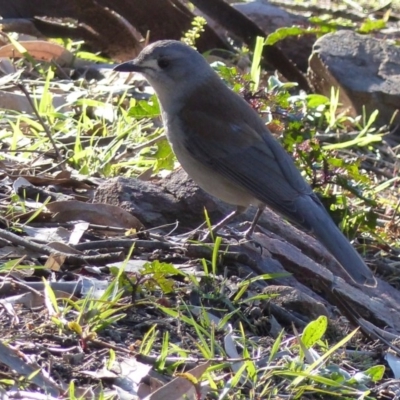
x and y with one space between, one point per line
161 202
366 70
270 17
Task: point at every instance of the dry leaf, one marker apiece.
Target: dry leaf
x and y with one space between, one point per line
40 50
180 388
55 262
97 213
49 180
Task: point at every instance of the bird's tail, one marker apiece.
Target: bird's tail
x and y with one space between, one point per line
325 230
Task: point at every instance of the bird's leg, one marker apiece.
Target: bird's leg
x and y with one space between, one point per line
239 210
214 229
248 234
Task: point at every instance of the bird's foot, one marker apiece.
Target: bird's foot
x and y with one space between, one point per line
230 234
194 235
205 235
250 240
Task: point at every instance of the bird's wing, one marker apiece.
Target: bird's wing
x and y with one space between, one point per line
254 160
251 159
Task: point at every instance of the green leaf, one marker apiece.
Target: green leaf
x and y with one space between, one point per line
76 327
276 346
370 25
314 331
255 71
165 156
282 33
376 372
316 100
159 272
361 142
145 108
85 55
160 267
319 361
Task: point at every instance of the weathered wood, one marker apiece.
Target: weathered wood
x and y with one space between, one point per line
109 25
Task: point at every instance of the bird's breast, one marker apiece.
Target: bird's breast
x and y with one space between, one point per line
210 181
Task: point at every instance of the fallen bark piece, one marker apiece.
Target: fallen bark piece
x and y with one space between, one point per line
294 300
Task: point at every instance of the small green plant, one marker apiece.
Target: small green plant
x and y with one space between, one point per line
255 72
194 33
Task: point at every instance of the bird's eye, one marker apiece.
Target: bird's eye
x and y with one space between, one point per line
163 63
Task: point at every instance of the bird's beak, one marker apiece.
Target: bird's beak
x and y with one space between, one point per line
129 66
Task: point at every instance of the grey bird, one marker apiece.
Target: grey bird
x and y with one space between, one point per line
225 147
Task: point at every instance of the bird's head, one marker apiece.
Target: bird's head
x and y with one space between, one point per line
171 67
